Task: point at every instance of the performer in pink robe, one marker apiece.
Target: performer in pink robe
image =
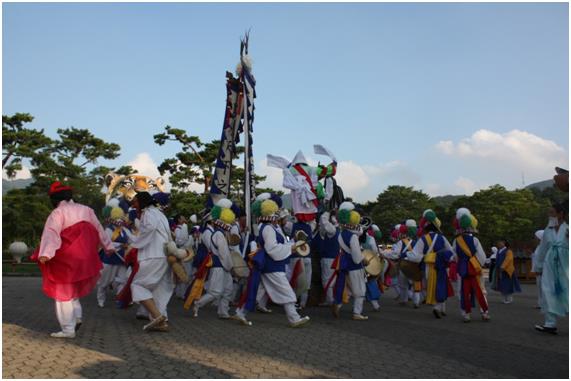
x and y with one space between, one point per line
68 256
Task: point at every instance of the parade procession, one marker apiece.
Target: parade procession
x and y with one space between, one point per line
254 254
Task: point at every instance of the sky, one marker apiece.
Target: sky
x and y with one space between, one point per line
448 98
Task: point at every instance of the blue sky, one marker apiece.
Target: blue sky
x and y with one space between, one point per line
449 98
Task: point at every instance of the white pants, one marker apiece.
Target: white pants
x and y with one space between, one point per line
404 284
153 281
326 273
440 307
289 308
220 289
357 286
111 275
539 292
68 313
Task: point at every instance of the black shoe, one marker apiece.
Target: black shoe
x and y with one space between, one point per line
436 313
77 325
542 328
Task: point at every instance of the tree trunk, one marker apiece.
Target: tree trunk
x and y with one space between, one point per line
5 160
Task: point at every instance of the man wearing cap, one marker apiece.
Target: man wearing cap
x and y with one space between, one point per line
114 269
268 267
471 257
406 235
434 250
220 282
329 248
349 263
68 256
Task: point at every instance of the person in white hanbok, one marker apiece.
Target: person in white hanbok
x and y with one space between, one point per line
220 282
183 240
553 266
539 236
114 270
275 252
152 285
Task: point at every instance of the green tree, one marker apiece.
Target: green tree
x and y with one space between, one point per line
24 213
66 158
187 203
513 215
19 142
191 165
396 204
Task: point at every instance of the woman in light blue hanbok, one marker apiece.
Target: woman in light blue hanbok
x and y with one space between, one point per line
553 265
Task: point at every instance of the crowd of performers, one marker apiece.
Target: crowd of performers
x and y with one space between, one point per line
150 262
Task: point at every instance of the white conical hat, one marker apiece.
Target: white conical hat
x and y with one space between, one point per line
263 196
224 203
411 223
299 158
347 205
462 211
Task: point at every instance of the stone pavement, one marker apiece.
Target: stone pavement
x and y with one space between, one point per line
398 342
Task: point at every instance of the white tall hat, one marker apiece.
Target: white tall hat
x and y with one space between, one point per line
299 158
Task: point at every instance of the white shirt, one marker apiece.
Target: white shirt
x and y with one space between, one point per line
154 232
181 235
220 248
354 248
277 251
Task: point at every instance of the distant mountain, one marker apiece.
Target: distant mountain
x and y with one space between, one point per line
446 201
15 184
541 185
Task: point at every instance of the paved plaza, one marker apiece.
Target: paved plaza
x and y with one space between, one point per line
398 342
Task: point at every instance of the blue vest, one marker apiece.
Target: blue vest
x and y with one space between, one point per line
330 246
271 265
215 259
347 260
404 247
112 259
463 259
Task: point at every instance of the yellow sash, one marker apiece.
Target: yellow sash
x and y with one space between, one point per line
472 259
429 260
116 233
508 263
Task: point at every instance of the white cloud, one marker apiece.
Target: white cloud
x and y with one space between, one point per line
24 173
466 185
517 150
352 178
273 176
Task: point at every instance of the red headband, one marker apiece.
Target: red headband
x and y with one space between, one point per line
57 187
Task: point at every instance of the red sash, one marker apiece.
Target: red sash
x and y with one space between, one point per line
74 270
124 298
302 172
